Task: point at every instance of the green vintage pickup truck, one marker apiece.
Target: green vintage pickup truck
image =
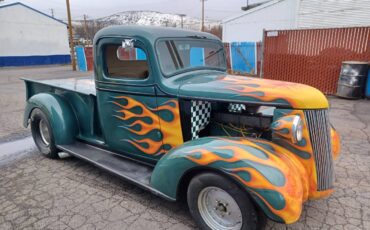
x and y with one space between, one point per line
162 112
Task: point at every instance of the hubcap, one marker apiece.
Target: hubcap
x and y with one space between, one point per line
219 210
44 132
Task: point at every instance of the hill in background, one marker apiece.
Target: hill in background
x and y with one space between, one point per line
147 18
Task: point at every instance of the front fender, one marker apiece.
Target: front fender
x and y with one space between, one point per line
335 141
276 182
61 116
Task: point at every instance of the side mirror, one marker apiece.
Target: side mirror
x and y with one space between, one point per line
126 49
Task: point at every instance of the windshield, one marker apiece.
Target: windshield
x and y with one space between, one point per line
178 55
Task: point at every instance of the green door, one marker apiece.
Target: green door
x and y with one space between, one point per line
127 100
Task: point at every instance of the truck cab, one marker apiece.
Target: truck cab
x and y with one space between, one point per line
162 112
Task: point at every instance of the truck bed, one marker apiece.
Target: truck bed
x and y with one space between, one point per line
85 85
80 94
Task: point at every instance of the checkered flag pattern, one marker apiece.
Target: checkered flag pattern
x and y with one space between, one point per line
236 108
200 117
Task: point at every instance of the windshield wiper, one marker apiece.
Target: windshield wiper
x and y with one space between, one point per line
214 53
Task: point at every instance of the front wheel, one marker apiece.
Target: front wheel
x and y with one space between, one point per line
42 134
217 203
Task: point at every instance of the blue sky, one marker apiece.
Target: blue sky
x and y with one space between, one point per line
215 9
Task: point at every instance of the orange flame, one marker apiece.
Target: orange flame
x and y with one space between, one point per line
170 130
295 94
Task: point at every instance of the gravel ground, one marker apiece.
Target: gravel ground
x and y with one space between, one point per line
38 193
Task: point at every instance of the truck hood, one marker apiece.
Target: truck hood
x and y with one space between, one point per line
243 89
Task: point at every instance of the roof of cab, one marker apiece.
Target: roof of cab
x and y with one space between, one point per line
151 33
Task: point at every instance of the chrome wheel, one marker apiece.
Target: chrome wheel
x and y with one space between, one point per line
44 132
219 210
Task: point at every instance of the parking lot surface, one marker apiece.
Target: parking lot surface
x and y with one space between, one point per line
39 193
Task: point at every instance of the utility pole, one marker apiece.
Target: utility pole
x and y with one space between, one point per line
247 6
182 19
52 12
202 27
85 26
71 36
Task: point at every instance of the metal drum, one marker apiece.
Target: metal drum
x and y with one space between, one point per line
352 79
367 90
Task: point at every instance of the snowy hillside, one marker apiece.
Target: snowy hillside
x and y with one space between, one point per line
153 18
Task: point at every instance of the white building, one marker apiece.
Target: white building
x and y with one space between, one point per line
30 37
295 14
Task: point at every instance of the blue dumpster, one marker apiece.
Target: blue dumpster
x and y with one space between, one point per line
81 58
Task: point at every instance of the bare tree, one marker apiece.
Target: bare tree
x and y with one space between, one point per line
215 30
88 31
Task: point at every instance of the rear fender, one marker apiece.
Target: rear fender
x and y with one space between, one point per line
61 116
275 182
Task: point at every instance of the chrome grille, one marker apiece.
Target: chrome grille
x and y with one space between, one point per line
319 128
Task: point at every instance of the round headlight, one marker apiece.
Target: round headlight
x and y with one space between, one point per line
297 129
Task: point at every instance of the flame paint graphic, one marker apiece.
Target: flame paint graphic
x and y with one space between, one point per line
283 126
156 130
275 91
264 168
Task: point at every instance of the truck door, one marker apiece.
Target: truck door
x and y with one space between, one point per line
126 98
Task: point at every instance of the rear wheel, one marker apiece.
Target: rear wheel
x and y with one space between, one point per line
217 203
42 134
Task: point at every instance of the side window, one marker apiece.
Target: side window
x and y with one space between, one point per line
125 63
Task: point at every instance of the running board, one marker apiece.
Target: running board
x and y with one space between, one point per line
127 169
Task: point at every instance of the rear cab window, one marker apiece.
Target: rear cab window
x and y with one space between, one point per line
123 63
